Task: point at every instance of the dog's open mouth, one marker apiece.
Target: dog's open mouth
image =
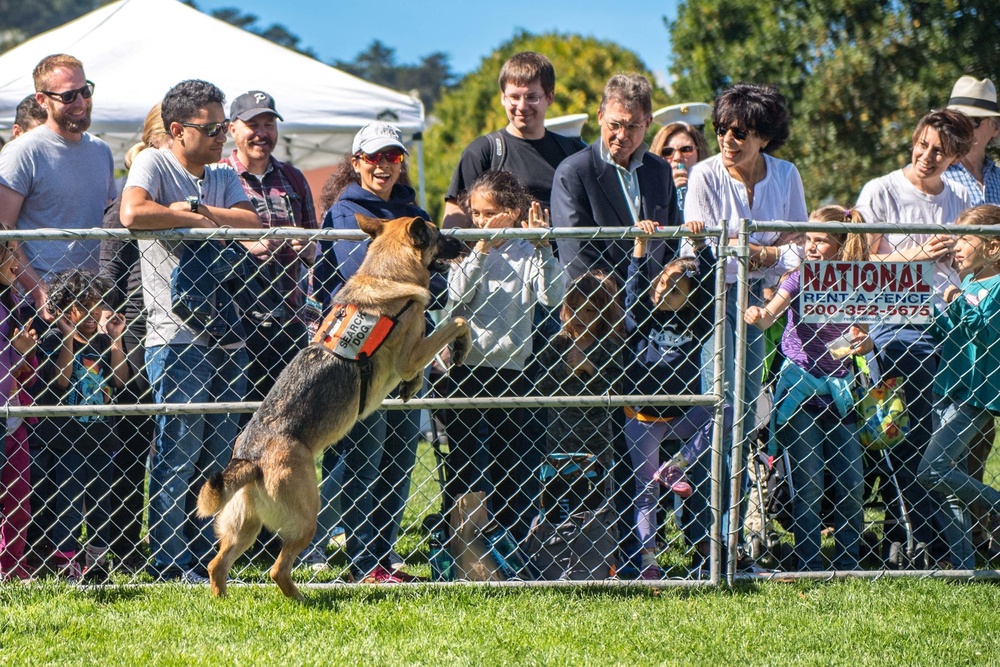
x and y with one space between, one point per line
448 248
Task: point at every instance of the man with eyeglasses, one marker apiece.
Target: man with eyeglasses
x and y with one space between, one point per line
282 198
57 176
183 187
615 183
524 148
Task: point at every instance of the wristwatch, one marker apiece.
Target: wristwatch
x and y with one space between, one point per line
193 202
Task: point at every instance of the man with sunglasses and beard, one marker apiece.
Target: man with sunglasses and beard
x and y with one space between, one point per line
57 176
282 198
183 187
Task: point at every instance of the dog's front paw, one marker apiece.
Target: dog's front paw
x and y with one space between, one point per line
463 343
410 388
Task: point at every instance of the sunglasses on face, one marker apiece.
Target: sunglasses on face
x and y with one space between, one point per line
976 122
392 157
210 129
738 134
668 152
69 96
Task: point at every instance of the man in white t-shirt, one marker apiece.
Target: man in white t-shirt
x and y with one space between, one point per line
182 187
57 176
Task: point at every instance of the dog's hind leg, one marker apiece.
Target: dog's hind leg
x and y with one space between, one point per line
237 526
290 510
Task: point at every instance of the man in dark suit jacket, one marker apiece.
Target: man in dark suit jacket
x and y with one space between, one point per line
615 183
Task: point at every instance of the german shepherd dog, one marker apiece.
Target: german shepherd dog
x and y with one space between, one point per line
271 479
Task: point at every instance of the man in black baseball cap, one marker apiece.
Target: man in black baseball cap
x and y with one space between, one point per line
282 198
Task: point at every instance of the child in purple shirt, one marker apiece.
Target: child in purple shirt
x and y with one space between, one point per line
814 411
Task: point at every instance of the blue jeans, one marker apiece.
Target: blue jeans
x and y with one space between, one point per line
816 443
189 447
378 459
944 468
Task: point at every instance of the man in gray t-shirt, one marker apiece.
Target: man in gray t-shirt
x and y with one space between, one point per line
57 176
181 187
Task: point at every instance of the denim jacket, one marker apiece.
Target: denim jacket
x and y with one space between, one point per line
202 287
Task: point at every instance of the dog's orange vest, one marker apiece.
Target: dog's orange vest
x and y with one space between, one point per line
353 335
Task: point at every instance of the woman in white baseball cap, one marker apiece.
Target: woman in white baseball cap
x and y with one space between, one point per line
978 173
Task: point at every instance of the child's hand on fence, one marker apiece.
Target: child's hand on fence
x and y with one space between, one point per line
695 227
951 293
939 247
755 314
24 341
115 325
538 218
646 227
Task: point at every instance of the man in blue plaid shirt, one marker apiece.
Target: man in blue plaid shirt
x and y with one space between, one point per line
282 198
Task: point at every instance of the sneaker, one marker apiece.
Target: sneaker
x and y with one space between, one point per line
315 559
97 573
651 573
394 560
195 575
627 571
69 570
380 575
672 478
132 564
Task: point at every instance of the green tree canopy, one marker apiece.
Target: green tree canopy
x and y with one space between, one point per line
858 74
472 108
377 64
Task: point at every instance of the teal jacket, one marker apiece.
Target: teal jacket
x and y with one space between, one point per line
968 331
795 386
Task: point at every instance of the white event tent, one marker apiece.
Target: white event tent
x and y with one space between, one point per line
135 50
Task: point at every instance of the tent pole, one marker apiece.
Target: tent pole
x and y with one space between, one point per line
418 146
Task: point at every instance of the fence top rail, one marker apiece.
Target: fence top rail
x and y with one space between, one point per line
97 233
608 401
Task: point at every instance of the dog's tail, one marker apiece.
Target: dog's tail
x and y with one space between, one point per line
220 487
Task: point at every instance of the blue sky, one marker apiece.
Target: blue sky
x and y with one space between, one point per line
467 30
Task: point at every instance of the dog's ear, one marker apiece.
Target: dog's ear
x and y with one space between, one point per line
370 226
419 233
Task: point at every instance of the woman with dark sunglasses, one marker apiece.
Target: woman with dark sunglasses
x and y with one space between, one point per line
744 182
371 476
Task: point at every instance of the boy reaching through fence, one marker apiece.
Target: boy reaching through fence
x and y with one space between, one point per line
80 366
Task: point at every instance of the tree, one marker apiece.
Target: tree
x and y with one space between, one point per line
20 20
377 64
858 74
472 108
276 32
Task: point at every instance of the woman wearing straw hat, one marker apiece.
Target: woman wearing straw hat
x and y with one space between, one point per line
979 174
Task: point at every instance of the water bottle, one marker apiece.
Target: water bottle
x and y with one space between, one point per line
442 564
681 191
503 549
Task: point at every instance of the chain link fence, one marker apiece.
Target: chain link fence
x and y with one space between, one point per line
600 432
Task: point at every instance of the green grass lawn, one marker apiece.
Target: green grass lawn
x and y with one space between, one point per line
884 622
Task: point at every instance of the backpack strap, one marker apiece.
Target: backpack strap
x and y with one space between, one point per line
498 149
295 178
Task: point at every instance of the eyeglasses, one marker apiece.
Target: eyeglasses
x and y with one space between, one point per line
530 100
668 152
69 96
392 157
615 127
976 122
738 134
210 129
